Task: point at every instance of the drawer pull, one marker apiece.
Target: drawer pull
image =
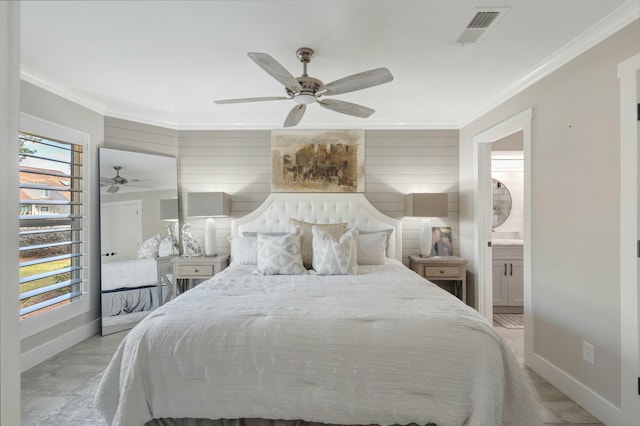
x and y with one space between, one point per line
196 270
441 271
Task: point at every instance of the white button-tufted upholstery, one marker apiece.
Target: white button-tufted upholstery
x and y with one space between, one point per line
354 209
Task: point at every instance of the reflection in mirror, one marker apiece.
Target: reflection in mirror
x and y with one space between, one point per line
501 203
134 188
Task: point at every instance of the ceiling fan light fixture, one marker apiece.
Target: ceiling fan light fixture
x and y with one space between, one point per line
304 98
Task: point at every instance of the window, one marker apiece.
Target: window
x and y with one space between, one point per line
52 259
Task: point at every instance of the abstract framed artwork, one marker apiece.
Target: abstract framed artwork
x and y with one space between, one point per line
317 161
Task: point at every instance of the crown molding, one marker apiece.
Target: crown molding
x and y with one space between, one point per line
607 26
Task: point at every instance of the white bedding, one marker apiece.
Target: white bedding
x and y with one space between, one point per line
383 347
129 274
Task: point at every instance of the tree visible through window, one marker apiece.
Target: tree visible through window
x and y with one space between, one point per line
51 243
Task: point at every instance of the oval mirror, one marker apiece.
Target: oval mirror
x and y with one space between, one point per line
501 203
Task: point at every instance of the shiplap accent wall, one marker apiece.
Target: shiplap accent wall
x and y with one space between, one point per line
132 136
397 162
238 162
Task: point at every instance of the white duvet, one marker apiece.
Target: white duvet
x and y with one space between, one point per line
129 274
383 347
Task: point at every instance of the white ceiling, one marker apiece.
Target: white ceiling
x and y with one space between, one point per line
165 62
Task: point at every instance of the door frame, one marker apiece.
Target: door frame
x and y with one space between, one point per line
629 80
483 251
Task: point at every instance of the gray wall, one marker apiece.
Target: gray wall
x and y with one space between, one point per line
238 162
397 162
575 210
43 104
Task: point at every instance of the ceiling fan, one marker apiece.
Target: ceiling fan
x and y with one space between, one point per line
305 90
114 183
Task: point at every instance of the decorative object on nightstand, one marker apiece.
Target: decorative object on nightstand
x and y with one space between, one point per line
209 204
441 269
190 246
186 269
169 213
426 205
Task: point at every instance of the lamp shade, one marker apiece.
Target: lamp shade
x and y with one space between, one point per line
169 209
427 204
208 204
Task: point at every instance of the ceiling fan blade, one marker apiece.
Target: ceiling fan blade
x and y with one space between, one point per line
113 189
242 100
105 179
357 82
295 115
346 107
275 70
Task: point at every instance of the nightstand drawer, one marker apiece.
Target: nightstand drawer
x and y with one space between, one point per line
194 270
442 271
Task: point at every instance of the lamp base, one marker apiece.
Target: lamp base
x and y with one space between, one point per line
210 237
425 238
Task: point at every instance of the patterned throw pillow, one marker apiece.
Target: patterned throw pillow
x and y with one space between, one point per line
280 255
332 256
149 248
306 237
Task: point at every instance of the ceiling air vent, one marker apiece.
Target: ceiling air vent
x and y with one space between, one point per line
481 22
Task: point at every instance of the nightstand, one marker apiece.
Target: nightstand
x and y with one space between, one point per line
443 268
165 270
200 268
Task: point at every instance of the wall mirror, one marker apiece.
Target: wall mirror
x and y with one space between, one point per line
135 190
501 203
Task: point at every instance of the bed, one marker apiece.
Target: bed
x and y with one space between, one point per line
383 346
130 290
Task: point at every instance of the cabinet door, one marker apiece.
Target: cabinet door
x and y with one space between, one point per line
500 287
516 283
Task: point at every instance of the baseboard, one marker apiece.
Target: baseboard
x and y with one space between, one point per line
53 347
591 401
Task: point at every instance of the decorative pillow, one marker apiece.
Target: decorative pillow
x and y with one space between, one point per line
332 256
280 255
306 237
149 248
244 250
165 248
387 242
255 234
371 248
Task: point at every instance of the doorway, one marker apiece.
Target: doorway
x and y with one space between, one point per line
484 212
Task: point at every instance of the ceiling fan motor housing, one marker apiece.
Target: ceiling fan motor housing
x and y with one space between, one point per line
310 87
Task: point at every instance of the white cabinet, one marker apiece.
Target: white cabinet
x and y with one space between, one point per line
508 276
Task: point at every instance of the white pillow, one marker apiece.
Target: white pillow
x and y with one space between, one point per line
244 250
149 248
372 248
306 236
388 240
280 255
332 256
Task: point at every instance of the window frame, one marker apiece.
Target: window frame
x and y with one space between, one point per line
48 319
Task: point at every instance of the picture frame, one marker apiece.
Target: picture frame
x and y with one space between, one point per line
317 161
441 241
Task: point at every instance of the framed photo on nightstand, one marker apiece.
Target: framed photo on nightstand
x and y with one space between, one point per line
441 241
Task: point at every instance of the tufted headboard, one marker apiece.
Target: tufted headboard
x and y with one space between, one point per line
274 213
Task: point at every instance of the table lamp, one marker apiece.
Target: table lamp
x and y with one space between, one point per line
426 205
209 204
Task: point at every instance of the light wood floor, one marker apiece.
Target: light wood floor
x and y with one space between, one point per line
46 385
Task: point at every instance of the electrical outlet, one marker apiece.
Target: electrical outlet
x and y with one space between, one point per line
588 352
